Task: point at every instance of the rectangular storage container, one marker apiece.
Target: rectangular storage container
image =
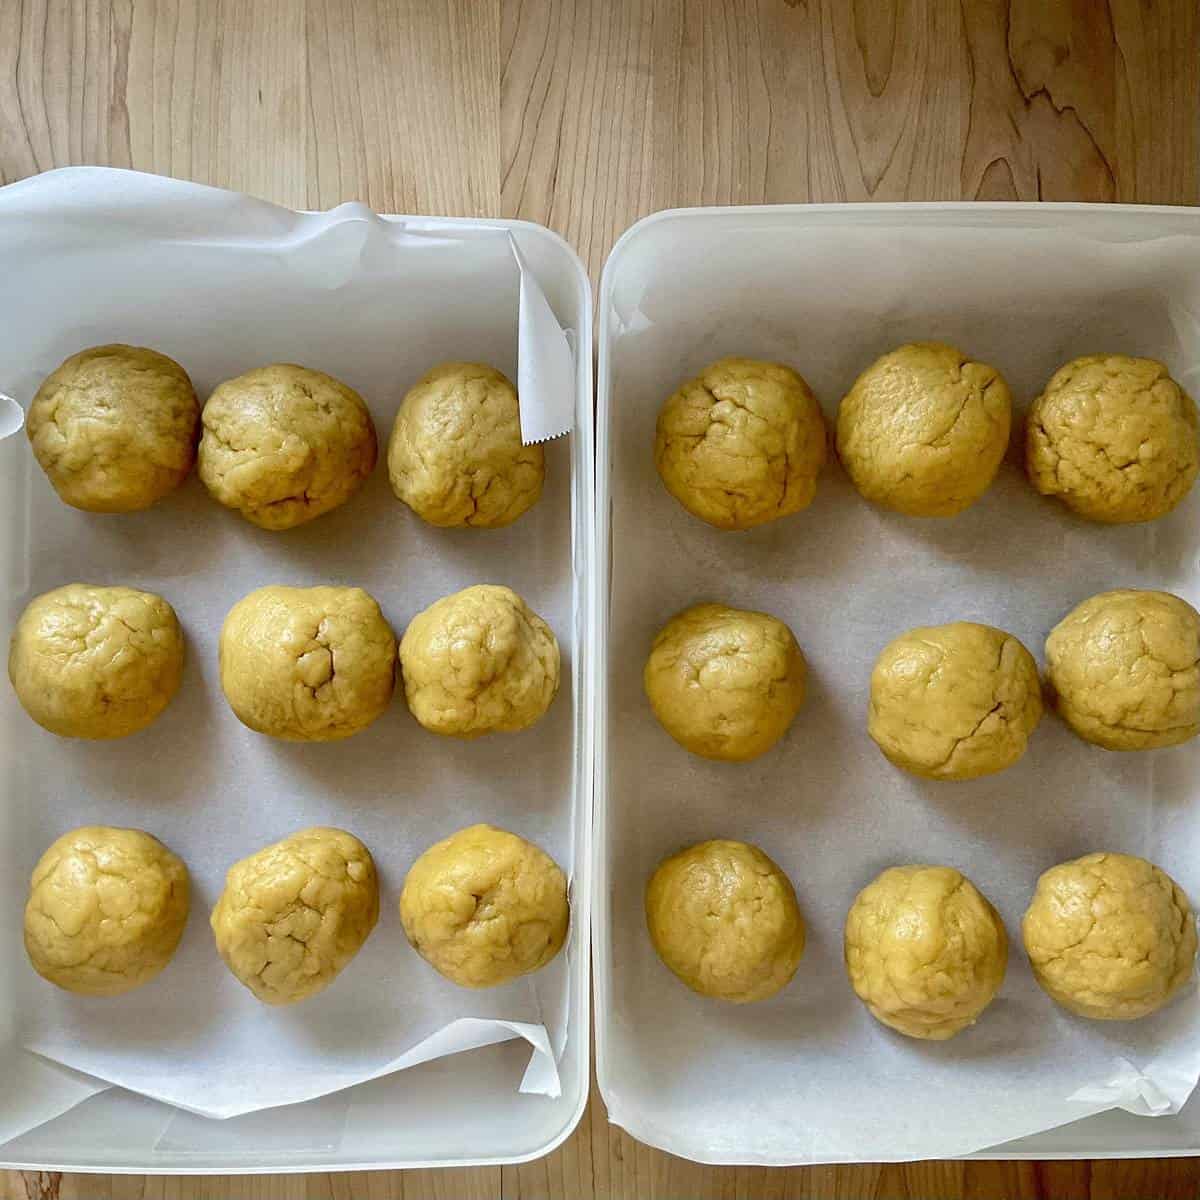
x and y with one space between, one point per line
807 1076
338 287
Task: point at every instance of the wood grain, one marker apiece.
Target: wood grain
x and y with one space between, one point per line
586 115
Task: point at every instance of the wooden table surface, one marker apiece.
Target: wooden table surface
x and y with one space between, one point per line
586 115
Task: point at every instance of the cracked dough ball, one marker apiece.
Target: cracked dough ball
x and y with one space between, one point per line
479 661
1109 936
723 917
741 444
1124 667
725 683
115 428
284 444
485 906
294 914
96 662
924 429
1115 438
106 910
455 456
925 952
307 664
954 701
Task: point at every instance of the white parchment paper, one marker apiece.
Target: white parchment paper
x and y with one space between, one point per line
808 1075
222 283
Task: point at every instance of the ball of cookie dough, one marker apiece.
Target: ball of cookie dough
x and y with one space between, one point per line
924 429
723 682
1124 669
115 428
485 906
307 664
106 910
925 951
954 701
455 455
294 914
741 444
1110 936
479 661
284 444
1114 437
96 662
723 917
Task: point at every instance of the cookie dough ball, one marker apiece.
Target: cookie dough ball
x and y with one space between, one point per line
1124 668
284 444
723 917
455 456
294 914
954 701
925 951
1110 936
741 444
1115 438
96 662
115 428
106 910
924 429
485 906
723 682
307 664
479 661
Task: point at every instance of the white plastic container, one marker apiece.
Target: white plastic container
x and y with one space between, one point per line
808 1076
338 286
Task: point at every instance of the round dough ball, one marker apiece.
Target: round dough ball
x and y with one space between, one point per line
924 429
455 456
723 682
1109 936
106 910
294 914
479 661
307 664
1114 437
723 917
485 906
1124 668
925 952
284 444
741 444
115 428
96 662
954 701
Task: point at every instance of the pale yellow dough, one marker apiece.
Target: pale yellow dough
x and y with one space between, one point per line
106 910
485 906
924 429
293 915
96 662
1110 936
479 661
925 951
284 444
1124 667
741 444
455 455
307 664
115 428
1115 438
723 917
723 682
954 701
